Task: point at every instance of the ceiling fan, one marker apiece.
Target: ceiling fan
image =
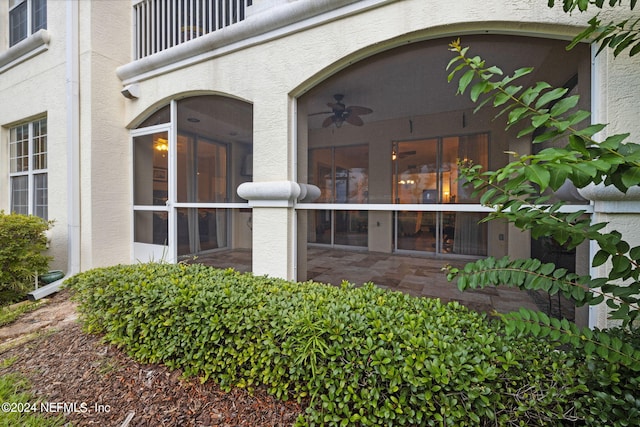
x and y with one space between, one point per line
341 113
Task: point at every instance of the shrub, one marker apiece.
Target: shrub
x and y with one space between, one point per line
21 252
358 356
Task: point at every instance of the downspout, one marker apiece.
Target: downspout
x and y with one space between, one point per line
73 150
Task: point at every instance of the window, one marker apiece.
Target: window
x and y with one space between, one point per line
25 18
28 168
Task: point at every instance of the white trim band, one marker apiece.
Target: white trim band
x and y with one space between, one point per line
25 49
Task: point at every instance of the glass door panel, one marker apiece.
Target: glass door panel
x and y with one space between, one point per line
150 196
202 170
201 179
351 228
201 229
416 231
416 178
320 230
465 234
426 172
342 174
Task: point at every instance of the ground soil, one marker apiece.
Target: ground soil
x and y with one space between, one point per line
100 385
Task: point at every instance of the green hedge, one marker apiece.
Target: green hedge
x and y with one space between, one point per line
358 356
21 251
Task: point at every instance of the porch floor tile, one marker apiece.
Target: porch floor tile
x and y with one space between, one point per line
415 275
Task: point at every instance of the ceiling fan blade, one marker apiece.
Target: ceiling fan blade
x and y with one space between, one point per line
354 120
327 122
321 112
355 109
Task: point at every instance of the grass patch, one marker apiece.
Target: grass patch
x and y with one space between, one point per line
19 406
9 314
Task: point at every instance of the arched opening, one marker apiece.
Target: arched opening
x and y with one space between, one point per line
382 139
189 157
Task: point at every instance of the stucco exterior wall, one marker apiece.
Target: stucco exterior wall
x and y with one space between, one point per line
39 86
105 141
22 97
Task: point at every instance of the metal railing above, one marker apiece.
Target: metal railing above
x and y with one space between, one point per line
162 24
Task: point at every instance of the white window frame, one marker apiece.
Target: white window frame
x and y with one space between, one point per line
32 158
30 24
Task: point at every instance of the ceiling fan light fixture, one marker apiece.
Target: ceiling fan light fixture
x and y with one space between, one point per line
341 113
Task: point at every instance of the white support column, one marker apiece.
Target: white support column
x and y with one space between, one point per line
620 211
274 224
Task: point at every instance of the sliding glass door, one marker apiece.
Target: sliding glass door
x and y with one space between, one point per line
426 173
201 180
342 174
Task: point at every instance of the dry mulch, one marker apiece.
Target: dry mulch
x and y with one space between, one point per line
108 388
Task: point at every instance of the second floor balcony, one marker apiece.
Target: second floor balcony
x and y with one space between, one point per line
162 24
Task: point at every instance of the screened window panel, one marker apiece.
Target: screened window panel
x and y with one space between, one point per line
40 195
19 149
20 195
40 145
38 15
18 23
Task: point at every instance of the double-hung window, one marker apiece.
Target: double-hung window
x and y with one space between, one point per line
28 168
25 18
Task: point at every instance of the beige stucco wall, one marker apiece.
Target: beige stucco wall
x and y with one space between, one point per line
105 146
39 86
23 97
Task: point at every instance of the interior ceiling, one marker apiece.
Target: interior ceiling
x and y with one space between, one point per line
218 118
412 80
403 82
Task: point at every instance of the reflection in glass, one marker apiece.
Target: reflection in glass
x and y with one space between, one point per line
342 174
351 228
416 231
20 194
40 195
321 233
161 116
150 172
201 229
151 227
426 172
459 233
202 170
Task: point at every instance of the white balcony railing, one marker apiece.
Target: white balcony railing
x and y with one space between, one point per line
161 24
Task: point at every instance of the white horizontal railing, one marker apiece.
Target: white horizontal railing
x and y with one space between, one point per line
161 24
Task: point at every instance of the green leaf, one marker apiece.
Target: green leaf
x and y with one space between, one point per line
549 96
540 120
613 142
477 90
465 80
631 176
564 105
538 174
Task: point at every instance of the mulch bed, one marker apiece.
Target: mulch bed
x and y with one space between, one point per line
110 389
